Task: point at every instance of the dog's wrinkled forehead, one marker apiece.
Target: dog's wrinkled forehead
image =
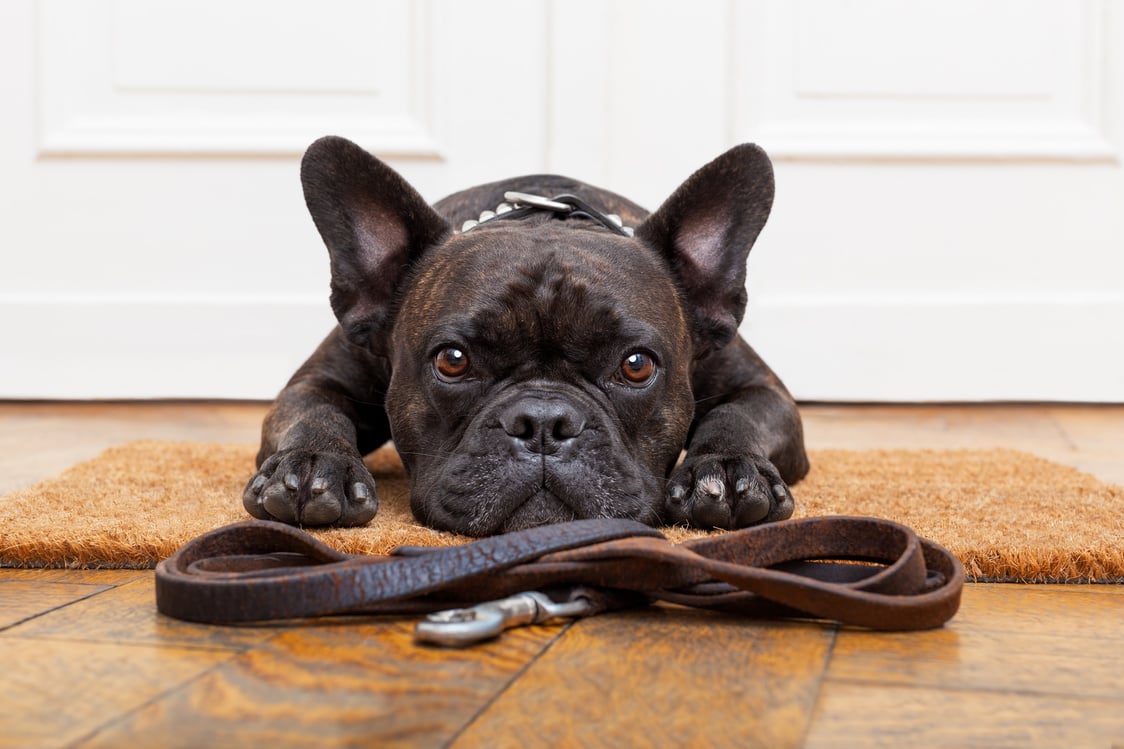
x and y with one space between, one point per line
561 290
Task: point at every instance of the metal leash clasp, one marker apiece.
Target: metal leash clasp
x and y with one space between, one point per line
461 627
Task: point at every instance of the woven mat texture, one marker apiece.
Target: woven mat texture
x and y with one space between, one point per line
1007 515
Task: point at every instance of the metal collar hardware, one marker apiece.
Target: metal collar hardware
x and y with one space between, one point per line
519 204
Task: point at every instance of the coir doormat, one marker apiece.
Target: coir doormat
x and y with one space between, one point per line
1008 516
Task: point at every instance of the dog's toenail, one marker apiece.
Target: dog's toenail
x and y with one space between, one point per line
742 485
711 486
361 492
259 482
778 489
677 493
292 482
319 485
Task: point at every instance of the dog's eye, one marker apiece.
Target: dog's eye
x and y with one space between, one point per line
638 368
451 364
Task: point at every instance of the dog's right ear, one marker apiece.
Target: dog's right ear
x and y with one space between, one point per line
706 230
375 226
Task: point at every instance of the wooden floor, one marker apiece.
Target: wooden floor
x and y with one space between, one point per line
88 662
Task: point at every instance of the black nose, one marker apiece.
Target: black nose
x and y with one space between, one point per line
542 425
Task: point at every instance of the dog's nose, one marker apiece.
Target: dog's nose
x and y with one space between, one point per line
542 425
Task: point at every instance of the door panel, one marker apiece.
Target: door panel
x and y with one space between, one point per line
949 220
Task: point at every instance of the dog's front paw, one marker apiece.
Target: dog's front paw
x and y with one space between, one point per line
303 487
722 491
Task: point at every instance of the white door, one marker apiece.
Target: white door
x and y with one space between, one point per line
949 221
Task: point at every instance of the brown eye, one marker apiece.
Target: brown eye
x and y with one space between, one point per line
451 364
638 368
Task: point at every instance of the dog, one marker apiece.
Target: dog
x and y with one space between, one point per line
539 350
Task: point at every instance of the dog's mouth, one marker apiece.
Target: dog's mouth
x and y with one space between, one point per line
540 508
481 496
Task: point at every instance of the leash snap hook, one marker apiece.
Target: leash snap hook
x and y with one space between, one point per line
484 621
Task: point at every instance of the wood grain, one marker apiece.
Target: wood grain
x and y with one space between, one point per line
38 440
24 599
1061 665
1087 437
1080 611
853 715
128 614
91 577
54 693
1019 666
663 677
328 685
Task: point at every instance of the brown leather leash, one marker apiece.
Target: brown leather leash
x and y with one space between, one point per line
862 572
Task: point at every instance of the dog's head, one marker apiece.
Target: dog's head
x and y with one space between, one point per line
541 368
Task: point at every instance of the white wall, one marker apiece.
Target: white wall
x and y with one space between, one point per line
949 222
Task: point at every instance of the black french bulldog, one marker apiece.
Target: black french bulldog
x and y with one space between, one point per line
538 362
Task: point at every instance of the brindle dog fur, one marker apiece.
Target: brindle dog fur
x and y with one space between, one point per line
538 369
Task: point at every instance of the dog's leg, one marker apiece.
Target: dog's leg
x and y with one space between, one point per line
310 466
332 412
746 445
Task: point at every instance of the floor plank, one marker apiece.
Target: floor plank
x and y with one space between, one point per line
24 599
1008 639
661 677
1081 611
1087 437
127 614
39 440
1029 428
330 685
1097 438
58 575
1018 666
856 714
59 692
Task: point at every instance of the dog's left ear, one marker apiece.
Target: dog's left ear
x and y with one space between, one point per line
706 230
